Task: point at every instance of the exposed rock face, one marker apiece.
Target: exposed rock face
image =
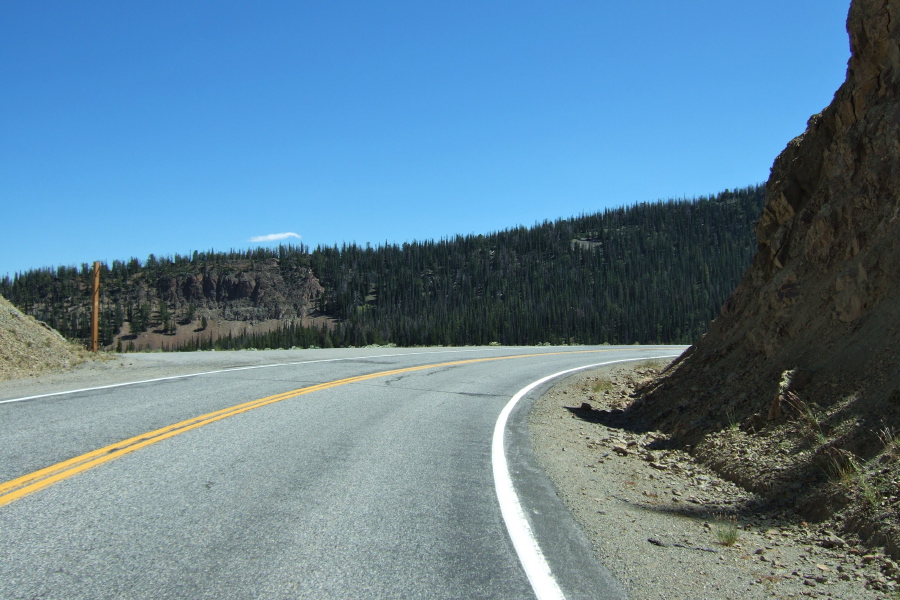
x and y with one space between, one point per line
827 237
823 293
244 290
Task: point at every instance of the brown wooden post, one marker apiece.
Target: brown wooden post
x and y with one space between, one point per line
95 316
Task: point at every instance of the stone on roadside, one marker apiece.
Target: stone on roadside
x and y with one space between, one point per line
830 540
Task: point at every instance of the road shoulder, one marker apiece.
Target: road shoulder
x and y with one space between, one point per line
657 520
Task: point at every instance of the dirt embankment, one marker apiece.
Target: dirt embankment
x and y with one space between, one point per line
28 347
670 528
795 391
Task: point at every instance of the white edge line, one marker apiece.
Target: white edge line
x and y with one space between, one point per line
530 555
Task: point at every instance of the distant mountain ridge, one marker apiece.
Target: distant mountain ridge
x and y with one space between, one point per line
653 272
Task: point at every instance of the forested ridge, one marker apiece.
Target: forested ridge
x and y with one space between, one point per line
650 273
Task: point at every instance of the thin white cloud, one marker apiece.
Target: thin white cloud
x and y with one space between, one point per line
274 237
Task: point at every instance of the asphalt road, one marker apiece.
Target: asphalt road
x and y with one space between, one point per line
376 488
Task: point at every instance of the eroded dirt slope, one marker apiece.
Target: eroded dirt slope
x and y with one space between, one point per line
795 391
28 347
671 529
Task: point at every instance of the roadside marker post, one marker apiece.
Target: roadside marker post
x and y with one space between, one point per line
95 313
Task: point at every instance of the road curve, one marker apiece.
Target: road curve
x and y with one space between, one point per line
342 474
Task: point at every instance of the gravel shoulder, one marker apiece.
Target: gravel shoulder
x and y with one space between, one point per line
669 528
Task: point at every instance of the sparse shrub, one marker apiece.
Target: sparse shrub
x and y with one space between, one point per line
726 529
602 385
806 414
847 470
657 365
866 489
891 443
842 466
733 423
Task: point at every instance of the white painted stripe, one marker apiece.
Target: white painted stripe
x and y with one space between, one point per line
530 555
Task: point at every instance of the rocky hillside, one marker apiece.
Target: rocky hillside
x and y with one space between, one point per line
165 300
28 347
795 389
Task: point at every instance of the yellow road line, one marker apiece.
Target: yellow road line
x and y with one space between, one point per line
21 486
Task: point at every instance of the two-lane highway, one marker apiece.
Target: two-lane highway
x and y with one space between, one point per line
331 474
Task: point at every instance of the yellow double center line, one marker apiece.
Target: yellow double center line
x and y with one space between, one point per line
17 488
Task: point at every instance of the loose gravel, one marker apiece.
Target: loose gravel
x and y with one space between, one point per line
28 346
667 527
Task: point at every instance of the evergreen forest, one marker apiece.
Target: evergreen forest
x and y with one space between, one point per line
649 273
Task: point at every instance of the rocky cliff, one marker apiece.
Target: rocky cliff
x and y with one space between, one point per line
795 389
240 289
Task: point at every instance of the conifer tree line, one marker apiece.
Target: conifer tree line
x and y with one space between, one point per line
649 273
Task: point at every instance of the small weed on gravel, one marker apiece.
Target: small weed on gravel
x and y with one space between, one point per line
602 385
727 530
846 469
890 442
843 467
868 491
733 424
807 414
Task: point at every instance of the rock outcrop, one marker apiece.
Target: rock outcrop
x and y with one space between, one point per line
239 290
822 297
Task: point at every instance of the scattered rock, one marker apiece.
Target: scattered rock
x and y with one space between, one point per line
620 450
829 540
668 484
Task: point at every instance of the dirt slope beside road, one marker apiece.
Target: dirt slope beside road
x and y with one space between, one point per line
28 347
670 528
795 391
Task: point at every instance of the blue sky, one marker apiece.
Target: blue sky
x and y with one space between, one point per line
130 128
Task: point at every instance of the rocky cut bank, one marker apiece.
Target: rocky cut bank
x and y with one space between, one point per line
795 390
